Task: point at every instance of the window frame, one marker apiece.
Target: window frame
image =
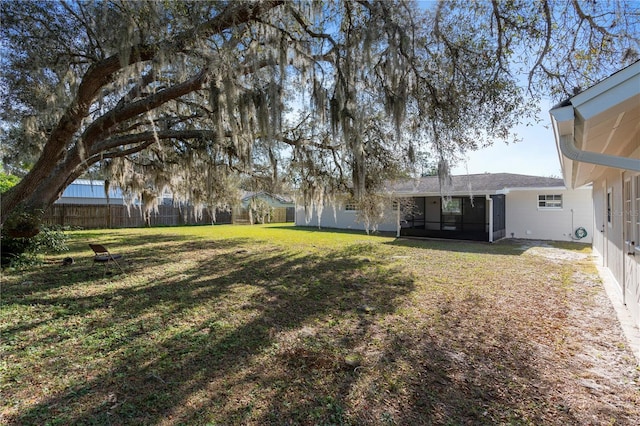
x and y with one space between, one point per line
446 210
609 207
350 207
635 205
552 199
628 199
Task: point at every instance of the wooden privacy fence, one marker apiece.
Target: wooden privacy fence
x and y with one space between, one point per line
116 216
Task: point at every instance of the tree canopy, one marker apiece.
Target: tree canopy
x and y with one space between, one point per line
327 97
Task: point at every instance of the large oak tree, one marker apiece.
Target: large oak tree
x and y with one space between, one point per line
328 96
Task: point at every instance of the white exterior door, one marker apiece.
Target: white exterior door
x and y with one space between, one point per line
606 191
631 235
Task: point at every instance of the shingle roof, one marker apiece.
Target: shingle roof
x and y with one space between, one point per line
486 183
281 198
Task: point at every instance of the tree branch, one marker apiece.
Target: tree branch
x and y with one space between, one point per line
103 124
583 16
547 42
109 147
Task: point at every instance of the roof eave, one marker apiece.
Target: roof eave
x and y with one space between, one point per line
578 111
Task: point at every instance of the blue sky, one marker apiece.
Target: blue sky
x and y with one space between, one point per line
535 155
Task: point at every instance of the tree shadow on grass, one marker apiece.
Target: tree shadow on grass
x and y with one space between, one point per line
454 382
236 333
137 251
155 344
508 248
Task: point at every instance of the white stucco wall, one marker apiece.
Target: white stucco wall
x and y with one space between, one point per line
524 219
432 211
343 219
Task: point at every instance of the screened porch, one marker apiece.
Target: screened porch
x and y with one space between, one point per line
480 218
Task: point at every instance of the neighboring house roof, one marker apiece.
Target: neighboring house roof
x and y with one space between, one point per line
486 183
598 128
281 199
85 189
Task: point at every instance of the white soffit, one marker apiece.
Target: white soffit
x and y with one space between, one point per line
602 123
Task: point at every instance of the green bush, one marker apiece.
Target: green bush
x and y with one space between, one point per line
23 252
7 181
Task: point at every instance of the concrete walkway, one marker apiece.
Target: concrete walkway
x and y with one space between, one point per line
631 331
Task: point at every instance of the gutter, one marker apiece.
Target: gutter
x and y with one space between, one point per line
563 120
569 150
507 190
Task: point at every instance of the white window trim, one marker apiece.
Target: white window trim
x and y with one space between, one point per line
609 207
350 207
635 211
549 208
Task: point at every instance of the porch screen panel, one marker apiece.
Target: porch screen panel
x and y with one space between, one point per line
498 213
415 220
474 214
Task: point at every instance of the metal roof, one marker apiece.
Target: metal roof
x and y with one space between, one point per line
84 188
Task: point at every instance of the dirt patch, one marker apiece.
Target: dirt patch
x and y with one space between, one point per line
549 251
598 373
604 370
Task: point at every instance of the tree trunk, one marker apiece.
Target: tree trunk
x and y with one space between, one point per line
24 205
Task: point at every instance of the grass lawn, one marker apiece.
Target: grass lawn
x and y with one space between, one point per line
280 325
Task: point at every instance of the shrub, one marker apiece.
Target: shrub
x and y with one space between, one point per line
23 252
7 181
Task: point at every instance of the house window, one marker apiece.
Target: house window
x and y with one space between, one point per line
609 204
550 201
350 207
452 206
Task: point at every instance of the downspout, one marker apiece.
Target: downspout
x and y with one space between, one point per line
570 151
490 200
398 219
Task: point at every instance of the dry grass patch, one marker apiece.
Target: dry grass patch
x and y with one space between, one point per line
281 325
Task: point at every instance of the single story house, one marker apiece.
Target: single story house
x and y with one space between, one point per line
481 207
281 208
273 200
598 137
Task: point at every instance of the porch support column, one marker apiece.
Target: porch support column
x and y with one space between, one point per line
398 219
490 200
